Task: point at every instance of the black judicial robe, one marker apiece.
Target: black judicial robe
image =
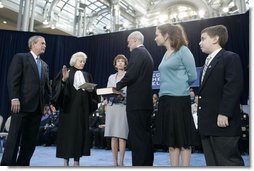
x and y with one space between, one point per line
73 134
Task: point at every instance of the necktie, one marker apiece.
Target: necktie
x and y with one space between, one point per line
38 63
205 67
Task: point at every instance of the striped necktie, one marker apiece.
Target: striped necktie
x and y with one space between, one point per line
38 63
205 67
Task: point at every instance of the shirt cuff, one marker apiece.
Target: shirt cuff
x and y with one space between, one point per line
14 99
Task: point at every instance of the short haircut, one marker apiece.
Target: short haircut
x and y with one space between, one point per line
77 55
217 30
176 33
138 35
32 40
120 56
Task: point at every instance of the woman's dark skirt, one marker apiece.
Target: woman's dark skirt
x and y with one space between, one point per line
174 123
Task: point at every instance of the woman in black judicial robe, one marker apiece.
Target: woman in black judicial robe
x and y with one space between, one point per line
75 104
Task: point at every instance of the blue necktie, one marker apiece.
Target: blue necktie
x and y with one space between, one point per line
38 63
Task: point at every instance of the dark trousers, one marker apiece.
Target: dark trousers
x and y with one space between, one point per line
99 139
221 151
23 132
140 137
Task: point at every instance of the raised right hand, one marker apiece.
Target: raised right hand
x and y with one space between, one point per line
65 73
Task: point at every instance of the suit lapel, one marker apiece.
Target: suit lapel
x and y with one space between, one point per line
210 69
33 63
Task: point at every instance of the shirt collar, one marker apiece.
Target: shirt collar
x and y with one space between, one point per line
214 53
34 55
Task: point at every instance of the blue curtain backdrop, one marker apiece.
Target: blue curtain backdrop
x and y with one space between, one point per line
101 50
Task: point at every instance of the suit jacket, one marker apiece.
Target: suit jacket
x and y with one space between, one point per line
138 79
219 93
23 82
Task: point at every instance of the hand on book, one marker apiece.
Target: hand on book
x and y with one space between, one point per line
88 86
90 89
120 92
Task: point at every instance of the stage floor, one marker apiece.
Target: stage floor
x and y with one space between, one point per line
45 156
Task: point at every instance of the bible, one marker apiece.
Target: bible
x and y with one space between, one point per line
107 91
87 86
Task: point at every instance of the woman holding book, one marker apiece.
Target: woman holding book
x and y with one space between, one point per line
116 119
75 104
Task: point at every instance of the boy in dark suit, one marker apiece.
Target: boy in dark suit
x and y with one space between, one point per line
28 87
221 81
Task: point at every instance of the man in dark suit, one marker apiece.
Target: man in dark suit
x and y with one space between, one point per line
28 87
139 107
219 98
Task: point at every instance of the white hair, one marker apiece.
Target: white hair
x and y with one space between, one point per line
138 35
77 55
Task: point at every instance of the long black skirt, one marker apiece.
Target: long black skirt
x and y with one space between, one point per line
174 125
